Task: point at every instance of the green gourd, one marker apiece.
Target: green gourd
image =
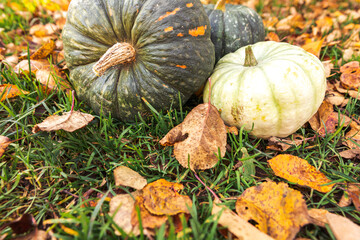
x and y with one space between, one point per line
122 54
233 26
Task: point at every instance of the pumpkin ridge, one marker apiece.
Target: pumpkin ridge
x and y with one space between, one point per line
275 100
107 16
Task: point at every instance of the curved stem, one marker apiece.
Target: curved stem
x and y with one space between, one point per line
250 60
119 54
220 5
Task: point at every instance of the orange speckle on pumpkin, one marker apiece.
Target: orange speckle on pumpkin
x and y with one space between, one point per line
189 5
169 29
180 35
181 66
168 14
199 31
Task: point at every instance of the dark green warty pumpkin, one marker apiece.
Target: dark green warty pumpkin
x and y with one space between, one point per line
233 27
123 52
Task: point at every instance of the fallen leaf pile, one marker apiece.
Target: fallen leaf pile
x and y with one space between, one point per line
151 205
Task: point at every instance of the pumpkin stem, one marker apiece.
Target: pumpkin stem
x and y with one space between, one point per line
220 5
250 60
119 54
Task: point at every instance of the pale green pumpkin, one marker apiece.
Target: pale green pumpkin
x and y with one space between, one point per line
273 96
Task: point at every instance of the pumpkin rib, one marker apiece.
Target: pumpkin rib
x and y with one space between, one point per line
275 100
96 15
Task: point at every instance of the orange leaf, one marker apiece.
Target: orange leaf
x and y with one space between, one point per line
10 91
314 47
278 209
162 198
298 170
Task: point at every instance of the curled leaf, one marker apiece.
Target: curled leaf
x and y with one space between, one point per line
69 121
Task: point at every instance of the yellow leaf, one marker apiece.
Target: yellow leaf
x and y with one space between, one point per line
298 170
10 91
278 209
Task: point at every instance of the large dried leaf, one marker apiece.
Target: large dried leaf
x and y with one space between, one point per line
121 207
283 209
8 91
162 198
199 138
125 176
69 121
298 170
237 225
4 143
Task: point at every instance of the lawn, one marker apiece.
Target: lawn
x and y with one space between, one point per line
65 180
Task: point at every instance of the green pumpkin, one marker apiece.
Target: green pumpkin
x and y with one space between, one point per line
269 88
122 54
233 26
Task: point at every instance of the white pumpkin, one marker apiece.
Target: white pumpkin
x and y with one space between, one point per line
272 96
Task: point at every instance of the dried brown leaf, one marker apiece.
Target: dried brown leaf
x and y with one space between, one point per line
4 143
125 176
298 170
283 144
318 216
121 207
35 65
283 209
343 228
69 121
236 225
198 139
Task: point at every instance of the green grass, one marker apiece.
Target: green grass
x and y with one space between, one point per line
38 172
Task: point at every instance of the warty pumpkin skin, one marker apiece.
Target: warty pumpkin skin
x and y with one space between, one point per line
168 43
273 97
232 27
